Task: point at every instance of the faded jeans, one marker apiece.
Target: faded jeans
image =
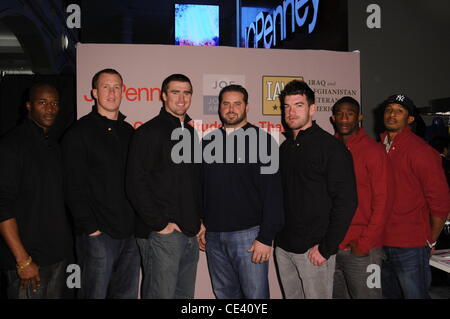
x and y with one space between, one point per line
109 267
233 274
169 263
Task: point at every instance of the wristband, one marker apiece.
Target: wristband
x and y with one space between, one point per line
25 264
431 245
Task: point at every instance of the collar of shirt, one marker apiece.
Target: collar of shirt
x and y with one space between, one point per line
399 139
302 133
106 120
173 119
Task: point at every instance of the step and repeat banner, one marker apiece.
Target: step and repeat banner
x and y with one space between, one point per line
262 72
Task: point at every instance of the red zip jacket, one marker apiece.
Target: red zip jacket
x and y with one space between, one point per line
372 172
420 190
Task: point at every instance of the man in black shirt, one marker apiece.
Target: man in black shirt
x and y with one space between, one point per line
319 198
95 151
36 242
242 201
166 196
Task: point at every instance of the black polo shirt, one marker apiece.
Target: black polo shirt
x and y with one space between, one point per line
95 151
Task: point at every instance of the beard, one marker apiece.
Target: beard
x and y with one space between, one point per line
237 120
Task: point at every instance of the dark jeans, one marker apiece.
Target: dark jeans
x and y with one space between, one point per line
52 286
169 265
109 267
233 274
352 273
406 273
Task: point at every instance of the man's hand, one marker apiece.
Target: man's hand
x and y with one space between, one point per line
315 257
96 233
356 252
261 252
30 275
169 229
201 237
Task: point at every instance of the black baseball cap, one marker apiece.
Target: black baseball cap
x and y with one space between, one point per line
403 100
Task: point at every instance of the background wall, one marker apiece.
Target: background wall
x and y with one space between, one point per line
410 53
208 68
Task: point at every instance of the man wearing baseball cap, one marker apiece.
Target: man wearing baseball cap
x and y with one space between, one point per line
420 208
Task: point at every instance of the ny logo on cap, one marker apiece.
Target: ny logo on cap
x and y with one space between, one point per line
400 98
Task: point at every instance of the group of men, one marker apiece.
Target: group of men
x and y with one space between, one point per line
336 207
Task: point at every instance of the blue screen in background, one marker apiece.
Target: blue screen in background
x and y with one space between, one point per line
196 25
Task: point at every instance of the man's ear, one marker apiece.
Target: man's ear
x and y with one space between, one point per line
94 93
312 109
164 96
410 119
333 119
360 117
28 105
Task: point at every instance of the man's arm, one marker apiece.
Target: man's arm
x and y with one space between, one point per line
379 173
341 186
143 161
271 198
10 175
29 271
437 224
76 171
428 167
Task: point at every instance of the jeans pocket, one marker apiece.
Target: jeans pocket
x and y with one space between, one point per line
96 236
168 234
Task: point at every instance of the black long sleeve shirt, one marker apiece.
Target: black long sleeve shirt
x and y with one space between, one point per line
161 190
236 195
95 152
319 192
31 191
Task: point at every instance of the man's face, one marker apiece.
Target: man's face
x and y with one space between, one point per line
44 107
396 117
346 119
232 109
297 112
108 92
178 98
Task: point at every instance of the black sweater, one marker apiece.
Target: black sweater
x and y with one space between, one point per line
319 192
31 191
95 152
236 196
161 190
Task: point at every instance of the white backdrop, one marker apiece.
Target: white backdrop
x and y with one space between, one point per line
262 72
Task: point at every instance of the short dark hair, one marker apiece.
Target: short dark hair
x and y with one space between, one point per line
108 71
296 87
174 77
234 88
348 100
38 86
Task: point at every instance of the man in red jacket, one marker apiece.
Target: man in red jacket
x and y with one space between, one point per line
420 208
360 253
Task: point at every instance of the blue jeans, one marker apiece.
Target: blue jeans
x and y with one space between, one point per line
406 273
52 286
233 274
169 263
109 267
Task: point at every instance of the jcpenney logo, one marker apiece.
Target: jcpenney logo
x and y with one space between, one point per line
133 94
268 30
